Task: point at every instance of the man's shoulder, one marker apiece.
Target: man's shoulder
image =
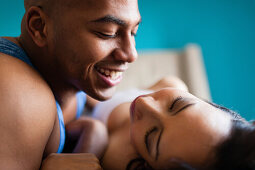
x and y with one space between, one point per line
27 113
16 67
14 70
24 90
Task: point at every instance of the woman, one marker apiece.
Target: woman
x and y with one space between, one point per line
170 128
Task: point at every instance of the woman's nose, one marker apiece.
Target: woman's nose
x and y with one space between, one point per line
148 107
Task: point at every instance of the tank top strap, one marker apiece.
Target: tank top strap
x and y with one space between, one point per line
81 100
10 48
62 128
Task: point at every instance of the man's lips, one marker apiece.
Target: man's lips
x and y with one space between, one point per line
111 76
118 66
111 73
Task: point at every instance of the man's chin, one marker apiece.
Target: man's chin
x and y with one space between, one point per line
103 94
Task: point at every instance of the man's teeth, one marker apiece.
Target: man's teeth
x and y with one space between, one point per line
110 73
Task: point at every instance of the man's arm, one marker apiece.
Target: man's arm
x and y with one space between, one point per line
87 135
82 161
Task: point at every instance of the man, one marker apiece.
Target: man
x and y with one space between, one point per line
66 46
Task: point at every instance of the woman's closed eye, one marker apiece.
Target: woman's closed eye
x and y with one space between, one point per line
179 104
150 139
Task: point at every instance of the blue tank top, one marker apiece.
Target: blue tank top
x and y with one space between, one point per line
12 49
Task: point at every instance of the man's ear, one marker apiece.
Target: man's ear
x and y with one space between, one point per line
36 25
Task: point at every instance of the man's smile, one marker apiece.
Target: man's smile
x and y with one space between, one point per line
111 76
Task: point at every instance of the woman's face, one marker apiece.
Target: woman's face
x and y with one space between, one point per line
165 126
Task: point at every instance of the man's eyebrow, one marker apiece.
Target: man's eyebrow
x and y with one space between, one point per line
113 19
157 150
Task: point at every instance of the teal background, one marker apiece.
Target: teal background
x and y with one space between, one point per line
225 29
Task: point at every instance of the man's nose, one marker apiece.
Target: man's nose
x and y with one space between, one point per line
126 52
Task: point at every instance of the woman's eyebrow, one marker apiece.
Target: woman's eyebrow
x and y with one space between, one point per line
232 113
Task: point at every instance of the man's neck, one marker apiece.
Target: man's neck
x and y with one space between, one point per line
62 90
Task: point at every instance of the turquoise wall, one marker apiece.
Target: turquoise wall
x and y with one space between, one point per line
11 12
225 29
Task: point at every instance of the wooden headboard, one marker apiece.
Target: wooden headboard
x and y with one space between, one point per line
152 65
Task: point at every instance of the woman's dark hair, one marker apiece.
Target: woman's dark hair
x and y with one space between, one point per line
237 152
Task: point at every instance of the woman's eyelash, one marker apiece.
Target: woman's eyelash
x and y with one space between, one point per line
150 130
174 102
147 135
185 103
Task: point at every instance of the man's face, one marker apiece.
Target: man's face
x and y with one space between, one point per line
92 42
